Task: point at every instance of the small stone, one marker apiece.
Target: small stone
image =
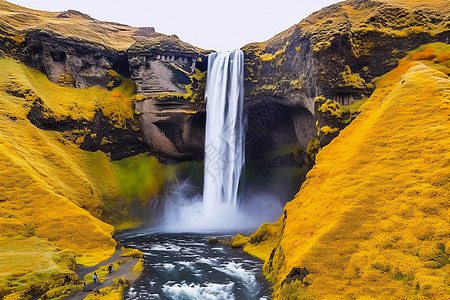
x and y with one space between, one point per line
213 241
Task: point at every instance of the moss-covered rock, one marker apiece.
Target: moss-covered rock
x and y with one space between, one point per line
339 50
333 117
130 252
337 53
107 293
239 241
66 260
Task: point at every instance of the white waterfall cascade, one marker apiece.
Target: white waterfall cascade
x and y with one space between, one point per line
225 129
220 209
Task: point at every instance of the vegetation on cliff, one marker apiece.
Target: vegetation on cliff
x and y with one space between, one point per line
338 51
372 218
399 18
15 20
53 194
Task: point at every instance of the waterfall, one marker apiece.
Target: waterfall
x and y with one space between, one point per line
225 129
220 210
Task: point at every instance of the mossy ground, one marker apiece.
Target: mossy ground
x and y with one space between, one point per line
29 263
110 293
372 218
102 271
139 267
50 190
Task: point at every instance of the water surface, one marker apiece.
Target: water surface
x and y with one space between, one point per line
185 266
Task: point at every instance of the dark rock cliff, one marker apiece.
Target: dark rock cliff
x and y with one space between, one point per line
72 61
170 80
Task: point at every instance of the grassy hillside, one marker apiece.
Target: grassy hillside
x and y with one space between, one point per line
53 194
372 219
16 19
365 17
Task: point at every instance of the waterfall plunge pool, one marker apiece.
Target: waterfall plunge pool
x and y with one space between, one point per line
184 266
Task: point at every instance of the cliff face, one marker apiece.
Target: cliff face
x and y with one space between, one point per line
73 49
307 83
371 219
161 67
337 53
170 80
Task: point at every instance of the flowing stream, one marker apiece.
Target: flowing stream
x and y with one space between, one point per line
185 266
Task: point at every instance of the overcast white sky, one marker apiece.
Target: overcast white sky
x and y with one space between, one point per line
209 24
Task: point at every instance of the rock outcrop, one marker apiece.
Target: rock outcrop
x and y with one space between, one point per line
168 75
173 127
337 53
162 64
170 80
72 61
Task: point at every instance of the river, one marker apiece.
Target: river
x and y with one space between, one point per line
185 266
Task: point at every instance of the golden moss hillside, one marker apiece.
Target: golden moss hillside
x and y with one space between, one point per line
15 19
391 18
53 194
372 219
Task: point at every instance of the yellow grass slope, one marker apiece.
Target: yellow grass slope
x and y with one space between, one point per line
16 19
41 171
389 18
32 207
52 194
372 219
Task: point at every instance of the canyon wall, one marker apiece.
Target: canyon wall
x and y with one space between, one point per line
87 106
